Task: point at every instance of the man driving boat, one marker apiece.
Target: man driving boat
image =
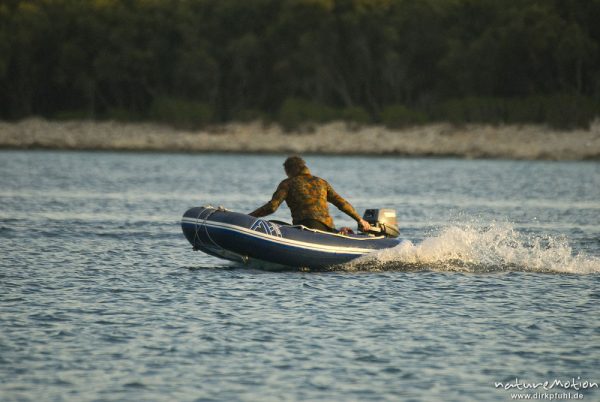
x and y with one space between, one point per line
307 197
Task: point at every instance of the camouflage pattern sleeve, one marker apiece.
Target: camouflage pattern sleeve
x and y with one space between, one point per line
341 203
278 197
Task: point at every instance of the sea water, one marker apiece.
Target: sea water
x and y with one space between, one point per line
495 288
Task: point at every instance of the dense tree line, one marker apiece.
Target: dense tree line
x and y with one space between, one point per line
193 62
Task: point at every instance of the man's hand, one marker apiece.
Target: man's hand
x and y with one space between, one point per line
346 231
364 226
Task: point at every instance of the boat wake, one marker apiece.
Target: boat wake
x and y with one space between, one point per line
471 248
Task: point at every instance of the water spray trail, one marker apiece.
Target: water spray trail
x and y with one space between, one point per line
478 248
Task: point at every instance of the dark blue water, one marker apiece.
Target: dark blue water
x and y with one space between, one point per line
102 298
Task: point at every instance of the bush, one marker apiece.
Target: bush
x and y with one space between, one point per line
120 114
73 115
295 113
472 110
570 111
558 111
398 116
248 115
181 113
526 110
356 115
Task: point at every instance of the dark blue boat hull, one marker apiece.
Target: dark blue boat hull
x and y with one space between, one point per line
243 238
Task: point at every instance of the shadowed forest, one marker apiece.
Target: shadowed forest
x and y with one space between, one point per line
392 62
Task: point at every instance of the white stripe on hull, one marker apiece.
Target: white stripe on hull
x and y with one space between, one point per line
280 240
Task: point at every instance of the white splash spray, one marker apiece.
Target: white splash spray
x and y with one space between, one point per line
473 248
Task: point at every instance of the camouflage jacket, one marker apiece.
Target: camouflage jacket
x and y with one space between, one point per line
307 196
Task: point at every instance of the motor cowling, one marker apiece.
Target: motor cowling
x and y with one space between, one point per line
383 222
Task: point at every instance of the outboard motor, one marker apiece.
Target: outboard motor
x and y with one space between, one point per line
383 222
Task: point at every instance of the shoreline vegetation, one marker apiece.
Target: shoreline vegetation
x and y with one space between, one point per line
464 78
195 64
531 142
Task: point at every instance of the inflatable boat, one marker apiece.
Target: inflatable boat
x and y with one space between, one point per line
242 238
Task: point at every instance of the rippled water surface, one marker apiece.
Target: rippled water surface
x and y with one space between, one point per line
103 299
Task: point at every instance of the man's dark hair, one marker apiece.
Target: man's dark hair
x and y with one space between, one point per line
294 165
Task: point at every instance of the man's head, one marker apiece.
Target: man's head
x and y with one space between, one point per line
294 165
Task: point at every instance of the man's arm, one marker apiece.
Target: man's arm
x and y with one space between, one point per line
341 203
271 206
345 207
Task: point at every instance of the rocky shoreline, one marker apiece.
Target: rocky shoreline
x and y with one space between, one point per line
468 141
